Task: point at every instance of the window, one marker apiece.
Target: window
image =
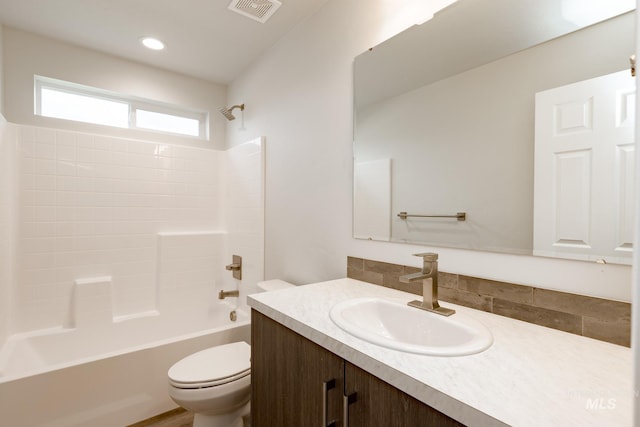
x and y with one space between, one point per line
146 119
71 101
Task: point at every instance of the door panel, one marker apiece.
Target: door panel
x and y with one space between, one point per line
584 166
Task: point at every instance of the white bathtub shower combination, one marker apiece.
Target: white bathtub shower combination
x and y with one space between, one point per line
103 378
120 248
46 350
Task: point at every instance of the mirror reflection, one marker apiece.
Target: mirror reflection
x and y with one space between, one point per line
445 123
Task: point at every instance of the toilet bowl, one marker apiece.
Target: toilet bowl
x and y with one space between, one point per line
214 384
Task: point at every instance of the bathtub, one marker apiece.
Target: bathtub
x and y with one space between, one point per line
110 376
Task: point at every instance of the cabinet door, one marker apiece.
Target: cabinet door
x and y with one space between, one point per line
379 404
287 376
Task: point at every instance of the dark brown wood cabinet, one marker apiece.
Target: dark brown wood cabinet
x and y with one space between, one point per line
297 383
287 376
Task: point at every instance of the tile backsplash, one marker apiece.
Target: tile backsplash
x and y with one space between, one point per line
591 317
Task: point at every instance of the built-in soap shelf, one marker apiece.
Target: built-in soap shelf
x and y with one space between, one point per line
190 269
92 302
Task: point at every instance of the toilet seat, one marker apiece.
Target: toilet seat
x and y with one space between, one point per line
212 367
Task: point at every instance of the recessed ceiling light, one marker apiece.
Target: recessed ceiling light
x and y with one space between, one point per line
152 43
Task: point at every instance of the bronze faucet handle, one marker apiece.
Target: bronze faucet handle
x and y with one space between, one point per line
428 256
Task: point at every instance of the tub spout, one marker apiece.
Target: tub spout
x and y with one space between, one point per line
224 294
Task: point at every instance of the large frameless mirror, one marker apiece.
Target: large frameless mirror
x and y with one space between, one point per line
498 126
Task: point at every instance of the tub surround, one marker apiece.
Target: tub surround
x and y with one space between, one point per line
93 206
7 218
591 317
530 376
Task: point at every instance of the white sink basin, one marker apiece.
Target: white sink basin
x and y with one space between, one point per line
395 325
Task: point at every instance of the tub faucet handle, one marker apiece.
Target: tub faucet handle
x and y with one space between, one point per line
236 267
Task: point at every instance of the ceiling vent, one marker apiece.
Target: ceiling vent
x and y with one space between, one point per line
259 10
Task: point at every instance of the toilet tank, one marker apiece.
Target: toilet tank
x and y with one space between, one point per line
273 285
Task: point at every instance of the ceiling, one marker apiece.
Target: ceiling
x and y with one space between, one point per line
204 38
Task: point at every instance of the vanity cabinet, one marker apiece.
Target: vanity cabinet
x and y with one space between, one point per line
287 377
298 383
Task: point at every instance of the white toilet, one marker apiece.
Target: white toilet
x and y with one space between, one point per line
215 384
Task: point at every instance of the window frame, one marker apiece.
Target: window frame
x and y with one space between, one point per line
134 103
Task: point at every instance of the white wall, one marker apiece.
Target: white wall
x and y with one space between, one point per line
299 94
27 54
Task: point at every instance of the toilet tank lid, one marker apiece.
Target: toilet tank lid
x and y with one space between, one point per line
215 363
274 285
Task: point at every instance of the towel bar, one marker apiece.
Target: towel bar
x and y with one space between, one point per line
460 216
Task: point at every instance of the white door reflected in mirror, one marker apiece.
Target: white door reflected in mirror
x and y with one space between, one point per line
584 169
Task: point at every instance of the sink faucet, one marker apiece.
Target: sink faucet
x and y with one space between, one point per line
429 277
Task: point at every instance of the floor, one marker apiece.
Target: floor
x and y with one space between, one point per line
176 418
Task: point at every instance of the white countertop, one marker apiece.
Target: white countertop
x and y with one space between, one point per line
530 376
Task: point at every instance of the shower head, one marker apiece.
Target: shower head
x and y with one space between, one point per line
227 112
